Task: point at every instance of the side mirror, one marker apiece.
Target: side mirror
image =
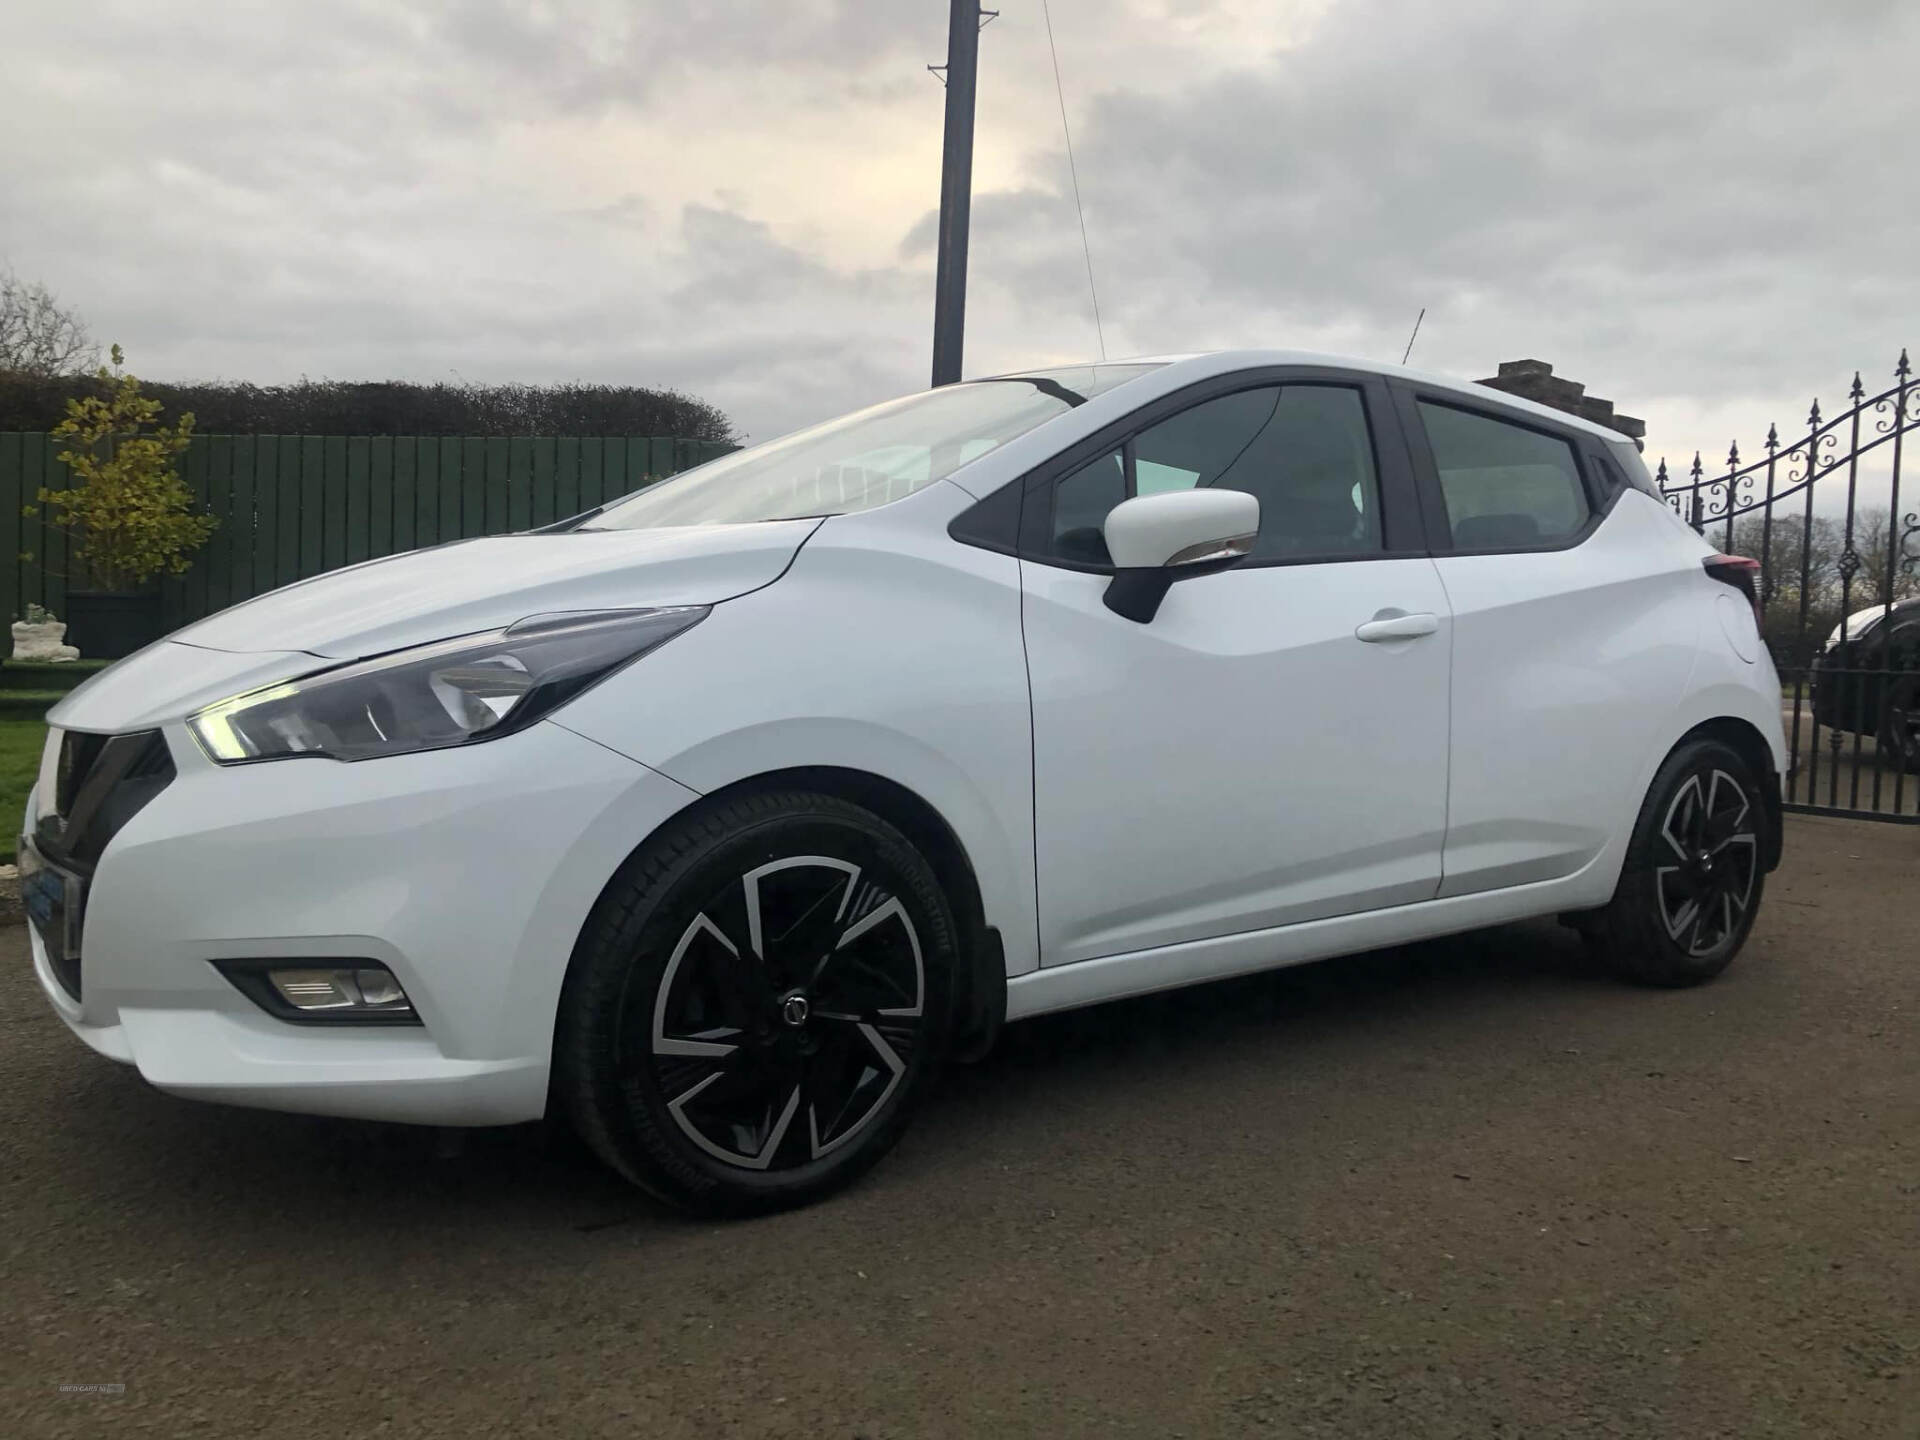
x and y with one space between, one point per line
1176 535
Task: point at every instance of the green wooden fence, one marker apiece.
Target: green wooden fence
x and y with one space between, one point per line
291 506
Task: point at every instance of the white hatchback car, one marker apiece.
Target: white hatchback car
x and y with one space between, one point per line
718 817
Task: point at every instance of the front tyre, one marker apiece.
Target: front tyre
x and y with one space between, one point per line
1694 871
758 1003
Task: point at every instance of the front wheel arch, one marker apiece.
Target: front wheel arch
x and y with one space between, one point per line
640 1013
982 1006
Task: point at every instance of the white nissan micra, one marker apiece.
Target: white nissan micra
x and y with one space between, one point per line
718 817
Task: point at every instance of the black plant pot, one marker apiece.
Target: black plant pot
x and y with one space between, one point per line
109 624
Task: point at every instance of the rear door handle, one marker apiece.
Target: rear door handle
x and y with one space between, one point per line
1398 627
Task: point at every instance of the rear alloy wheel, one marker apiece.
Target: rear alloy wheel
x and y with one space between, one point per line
1694 871
758 1004
1705 889
1900 724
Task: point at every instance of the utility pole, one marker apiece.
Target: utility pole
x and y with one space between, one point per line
956 191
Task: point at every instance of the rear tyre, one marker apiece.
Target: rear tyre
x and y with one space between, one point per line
758 1004
1899 732
1694 871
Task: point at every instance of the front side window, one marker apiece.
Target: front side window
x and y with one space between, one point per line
865 459
1303 450
1506 487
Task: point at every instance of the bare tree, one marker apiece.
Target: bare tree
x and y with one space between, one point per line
1875 540
1798 624
1786 546
1790 541
39 336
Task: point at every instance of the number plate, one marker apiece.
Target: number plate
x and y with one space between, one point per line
54 900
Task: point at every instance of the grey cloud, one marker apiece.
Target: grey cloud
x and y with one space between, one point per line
1691 207
1677 196
602 53
263 192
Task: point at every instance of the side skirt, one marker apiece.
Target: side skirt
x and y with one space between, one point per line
1192 962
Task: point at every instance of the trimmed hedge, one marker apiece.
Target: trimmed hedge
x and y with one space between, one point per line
388 407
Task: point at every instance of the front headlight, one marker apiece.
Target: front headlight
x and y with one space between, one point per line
453 692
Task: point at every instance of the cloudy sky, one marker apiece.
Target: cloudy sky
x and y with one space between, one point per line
1702 209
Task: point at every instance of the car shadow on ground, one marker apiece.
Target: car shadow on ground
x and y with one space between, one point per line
1277 1005
182 1161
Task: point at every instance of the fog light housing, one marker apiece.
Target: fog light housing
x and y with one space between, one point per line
323 992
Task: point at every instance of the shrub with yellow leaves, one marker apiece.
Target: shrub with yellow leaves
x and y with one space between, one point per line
129 514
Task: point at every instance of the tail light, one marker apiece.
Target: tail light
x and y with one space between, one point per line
1743 574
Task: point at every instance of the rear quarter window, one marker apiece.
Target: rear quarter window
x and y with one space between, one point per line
1626 455
1506 487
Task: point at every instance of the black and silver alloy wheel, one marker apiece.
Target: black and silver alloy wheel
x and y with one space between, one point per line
1694 871
781 1028
758 1002
1705 889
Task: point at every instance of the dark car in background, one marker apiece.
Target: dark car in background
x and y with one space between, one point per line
1866 679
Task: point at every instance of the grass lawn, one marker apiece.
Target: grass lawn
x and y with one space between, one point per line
20 742
28 689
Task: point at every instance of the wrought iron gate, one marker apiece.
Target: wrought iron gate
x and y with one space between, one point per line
1839 593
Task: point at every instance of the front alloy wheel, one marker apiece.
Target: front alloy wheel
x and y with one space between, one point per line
758 1003
787 1013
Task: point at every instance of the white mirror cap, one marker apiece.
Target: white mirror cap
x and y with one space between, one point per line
1181 527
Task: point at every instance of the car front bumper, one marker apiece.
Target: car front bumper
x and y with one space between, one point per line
468 873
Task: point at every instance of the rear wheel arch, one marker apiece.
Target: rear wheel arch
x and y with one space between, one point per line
1746 741
1696 853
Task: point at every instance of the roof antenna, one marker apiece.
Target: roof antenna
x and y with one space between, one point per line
1073 170
1416 334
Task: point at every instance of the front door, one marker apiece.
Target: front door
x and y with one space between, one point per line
1246 759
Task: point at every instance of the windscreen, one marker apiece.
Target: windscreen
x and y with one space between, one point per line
865 459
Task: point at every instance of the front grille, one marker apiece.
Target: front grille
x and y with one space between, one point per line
79 753
100 783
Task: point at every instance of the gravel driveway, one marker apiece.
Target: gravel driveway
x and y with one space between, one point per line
1467 1188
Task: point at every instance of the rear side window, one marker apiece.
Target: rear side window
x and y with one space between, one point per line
1506 487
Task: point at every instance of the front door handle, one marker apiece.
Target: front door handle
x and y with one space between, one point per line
1398 627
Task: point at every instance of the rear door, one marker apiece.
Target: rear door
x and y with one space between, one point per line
1245 759
1574 634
